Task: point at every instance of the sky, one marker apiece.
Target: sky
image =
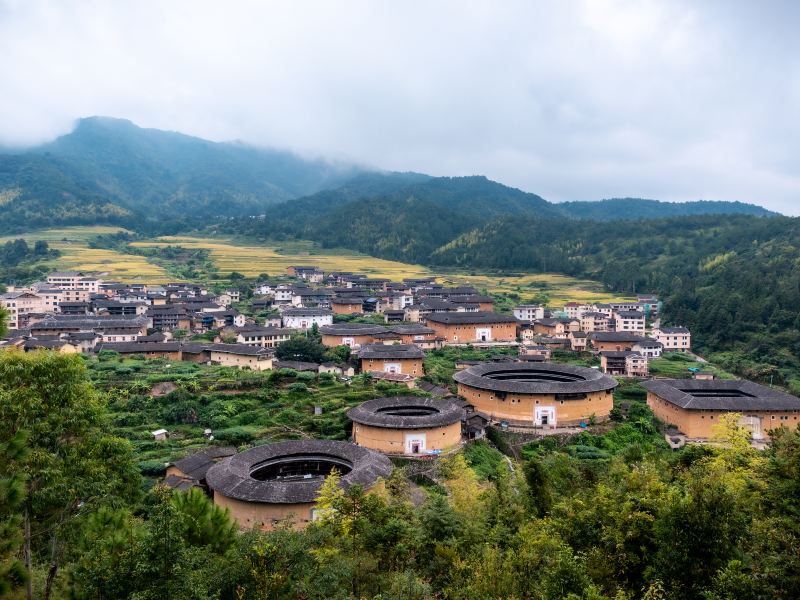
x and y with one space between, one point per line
572 100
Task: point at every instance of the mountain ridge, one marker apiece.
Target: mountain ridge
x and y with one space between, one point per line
111 171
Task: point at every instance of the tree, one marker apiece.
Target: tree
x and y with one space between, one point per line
302 349
438 519
12 497
203 522
3 322
538 479
72 463
338 354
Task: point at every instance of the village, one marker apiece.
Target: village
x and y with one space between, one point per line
383 330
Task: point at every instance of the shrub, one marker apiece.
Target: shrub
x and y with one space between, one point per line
306 376
234 435
152 468
298 388
483 459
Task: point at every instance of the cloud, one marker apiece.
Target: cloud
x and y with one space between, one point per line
675 100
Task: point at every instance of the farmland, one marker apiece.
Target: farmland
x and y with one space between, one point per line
76 255
251 260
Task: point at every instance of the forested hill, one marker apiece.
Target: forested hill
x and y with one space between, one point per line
617 209
110 170
384 214
734 280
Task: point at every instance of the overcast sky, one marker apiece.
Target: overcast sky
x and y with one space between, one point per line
571 100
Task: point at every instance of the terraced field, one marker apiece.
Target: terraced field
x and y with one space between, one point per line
77 256
559 288
251 259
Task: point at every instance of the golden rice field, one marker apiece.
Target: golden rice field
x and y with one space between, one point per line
272 259
560 288
252 259
77 256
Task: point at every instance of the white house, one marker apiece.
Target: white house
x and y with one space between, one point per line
305 318
528 312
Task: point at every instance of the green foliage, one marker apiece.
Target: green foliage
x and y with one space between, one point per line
298 388
21 263
300 348
152 468
235 435
12 497
72 464
484 459
110 171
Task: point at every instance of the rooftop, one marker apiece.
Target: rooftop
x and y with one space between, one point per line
351 329
535 378
390 351
721 394
196 465
292 472
407 412
306 312
469 318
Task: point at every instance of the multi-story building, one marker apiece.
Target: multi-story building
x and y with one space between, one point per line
629 320
528 312
20 306
674 338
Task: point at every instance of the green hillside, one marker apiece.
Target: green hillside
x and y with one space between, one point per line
111 171
616 209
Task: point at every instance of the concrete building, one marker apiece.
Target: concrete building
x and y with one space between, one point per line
629 320
625 364
674 338
306 318
265 337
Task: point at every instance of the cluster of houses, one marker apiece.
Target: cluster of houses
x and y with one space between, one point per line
76 312
626 335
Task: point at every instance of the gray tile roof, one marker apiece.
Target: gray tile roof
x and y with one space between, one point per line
390 351
721 394
469 318
407 412
196 465
351 329
533 378
231 477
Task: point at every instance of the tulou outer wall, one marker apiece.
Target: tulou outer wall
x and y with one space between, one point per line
392 441
265 516
520 408
699 424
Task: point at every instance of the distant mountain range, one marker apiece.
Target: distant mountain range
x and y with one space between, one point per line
615 209
111 171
